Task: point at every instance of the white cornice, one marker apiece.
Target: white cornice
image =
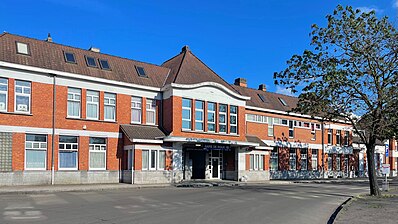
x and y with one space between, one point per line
212 84
75 76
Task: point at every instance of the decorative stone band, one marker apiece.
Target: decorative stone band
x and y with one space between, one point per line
339 149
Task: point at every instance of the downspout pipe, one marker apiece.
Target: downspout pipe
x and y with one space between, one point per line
323 148
53 131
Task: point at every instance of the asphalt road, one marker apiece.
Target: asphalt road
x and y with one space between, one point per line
270 203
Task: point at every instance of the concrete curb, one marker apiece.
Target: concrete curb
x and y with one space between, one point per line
338 209
73 188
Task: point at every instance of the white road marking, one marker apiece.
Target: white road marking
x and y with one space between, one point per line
48 199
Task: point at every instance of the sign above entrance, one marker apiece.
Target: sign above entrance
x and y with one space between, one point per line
216 147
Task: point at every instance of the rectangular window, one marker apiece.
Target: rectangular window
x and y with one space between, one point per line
257 161
274 159
68 153
211 117
153 159
35 152
145 159
186 114
291 129
304 161
150 111
22 96
292 159
222 116
338 163
23 48
74 98
91 61
270 127
110 106
92 104
97 149
284 122
199 115
251 161
330 162
136 104
330 135
338 137
70 57
313 132
104 64
346 137
162 160
314 159
261 165
3 94
233 120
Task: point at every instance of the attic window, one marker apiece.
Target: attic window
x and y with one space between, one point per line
262 97
104 64
23 48
141 71
69 57
283 102
91 62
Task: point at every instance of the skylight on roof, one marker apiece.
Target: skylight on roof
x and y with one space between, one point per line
283 102
69 57
104 64
141 71
22 48
91 61
262 97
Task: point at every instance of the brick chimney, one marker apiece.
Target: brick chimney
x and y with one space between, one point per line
241 82
262 87
49 38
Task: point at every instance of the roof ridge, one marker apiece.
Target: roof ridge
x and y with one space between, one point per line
179 67
211 70
265 91
64 45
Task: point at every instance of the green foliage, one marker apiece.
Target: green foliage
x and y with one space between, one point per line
350 72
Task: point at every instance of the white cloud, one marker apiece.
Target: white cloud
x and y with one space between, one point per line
395 4
284 91
372 8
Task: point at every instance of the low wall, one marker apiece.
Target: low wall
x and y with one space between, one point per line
295 174
253 175
157 177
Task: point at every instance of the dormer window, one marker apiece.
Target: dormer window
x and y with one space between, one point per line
91 62
141 71
70 57
104 64
283 102
23 48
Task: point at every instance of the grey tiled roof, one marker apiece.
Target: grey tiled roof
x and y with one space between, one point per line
142 132
255 139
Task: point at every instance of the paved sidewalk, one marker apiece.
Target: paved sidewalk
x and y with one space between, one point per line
28 189
366 209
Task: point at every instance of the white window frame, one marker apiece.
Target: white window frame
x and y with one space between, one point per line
74 99
261 162
102 149
151 109
305 157
23 95
293 156
330 159
338 137
94 95
346 138
251 161
291 127
338 162
314 157
274 156
71 149
235 115
19 48
157 159
4 92
225 113
313 131
110 101
256 161
190 114
215 116
198 110
330 136
136 104
42 147
270 129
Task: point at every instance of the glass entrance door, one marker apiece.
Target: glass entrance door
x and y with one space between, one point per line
215 169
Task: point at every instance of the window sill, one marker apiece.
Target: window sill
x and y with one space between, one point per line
16 113
209 133
82 119
67 169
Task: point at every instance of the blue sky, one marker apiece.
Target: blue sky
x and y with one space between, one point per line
250 39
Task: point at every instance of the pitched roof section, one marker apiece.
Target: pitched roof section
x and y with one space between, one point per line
186 68
271 100
142 132
50 55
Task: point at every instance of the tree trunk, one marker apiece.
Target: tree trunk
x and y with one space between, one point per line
370 152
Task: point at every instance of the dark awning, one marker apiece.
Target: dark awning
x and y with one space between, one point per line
142 133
